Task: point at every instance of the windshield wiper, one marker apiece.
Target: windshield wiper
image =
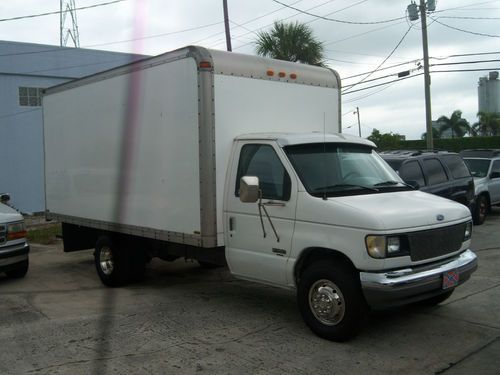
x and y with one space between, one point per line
339 186
392 183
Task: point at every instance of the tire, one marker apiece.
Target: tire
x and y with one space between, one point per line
333 286
433 301
19 271
112 264
480 210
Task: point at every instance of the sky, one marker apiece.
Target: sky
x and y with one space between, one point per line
359 37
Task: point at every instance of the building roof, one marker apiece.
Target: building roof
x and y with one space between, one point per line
29 59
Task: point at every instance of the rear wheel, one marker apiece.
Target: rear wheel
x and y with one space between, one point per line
480 209
113 265
331 301
19 271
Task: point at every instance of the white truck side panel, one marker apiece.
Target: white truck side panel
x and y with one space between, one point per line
84 130
245 105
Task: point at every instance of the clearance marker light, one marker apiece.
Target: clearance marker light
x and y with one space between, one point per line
293 76
270 73
205 64
282 74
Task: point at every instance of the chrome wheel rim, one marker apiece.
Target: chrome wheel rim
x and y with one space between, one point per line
106 260
327 302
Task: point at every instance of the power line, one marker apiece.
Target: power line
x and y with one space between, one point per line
370 94
464 70
471 18
58 11
384 83
387 58
466 62
339 21
157 35
388 67
463 30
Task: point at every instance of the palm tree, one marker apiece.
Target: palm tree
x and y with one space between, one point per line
292 42
458 125
488 124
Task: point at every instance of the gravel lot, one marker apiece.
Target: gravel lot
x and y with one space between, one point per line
184 319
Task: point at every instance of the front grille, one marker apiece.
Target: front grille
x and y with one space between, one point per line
3 234
433 243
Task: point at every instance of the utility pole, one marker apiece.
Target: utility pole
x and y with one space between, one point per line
359 122
226 25
427 77
413 11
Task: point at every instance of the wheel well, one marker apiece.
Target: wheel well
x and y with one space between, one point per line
312 255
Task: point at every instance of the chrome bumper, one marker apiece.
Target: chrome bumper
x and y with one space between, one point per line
409 285
13 254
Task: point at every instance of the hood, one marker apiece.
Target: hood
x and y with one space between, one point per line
388 211
8 214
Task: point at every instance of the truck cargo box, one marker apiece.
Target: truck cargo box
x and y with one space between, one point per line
143 149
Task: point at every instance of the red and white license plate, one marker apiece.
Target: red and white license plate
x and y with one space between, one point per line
450 279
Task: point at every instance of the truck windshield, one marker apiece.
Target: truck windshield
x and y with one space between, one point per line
334 169
478 167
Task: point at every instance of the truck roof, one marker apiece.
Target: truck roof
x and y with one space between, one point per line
224 63
289 139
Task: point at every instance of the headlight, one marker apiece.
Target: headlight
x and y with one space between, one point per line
16 231
380 247
376 246
468 231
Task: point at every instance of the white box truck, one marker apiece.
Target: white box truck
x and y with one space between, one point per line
223 157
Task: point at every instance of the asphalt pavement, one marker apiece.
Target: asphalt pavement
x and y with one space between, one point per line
184 319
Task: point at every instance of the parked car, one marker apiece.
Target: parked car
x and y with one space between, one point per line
485 168
14 248
437 172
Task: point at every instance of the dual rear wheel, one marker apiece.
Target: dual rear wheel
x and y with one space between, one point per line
119 261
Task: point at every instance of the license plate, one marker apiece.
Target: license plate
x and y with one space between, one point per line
450 279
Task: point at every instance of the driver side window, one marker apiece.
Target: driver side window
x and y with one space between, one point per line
261 161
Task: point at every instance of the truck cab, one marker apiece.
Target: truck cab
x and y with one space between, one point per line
325 215
14 249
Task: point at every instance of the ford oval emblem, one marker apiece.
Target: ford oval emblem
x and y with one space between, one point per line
440 217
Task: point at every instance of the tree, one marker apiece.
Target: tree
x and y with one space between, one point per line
436 134
488 124
458 125
386 141
291 42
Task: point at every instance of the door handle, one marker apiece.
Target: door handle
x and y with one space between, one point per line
274 204
231 224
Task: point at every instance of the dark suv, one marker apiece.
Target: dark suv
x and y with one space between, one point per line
437 172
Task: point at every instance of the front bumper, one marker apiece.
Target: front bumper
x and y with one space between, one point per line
13 254
410 285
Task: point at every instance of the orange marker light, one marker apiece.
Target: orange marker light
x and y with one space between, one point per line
282 74
205 64
293 76
270 73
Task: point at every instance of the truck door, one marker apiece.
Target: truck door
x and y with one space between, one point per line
253 249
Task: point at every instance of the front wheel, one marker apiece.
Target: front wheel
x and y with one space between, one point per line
480 210
331 301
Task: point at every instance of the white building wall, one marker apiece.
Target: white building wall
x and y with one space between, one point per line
21 137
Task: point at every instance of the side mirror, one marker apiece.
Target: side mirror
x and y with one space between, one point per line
413 184
4 198
495 175
249 189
